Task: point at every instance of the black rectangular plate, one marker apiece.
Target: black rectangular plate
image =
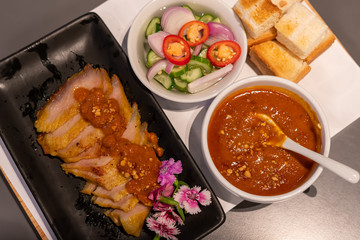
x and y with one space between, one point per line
29 77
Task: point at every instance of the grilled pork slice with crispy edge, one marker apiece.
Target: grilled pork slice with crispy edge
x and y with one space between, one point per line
54 141
119 95
89 188
133 129
126 203
86 140
114 194
91 152
62 105
102 171
131 221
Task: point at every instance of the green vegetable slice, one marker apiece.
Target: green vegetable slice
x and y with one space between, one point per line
200 62
217 20
192 75
165 80
178 71
153 26
206 18
187 7
152 58
180 85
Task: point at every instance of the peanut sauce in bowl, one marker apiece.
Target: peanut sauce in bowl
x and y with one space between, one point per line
235 141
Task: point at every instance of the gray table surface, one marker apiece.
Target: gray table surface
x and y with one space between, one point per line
330 209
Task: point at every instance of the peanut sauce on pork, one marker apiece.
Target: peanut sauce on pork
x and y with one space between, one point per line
140 162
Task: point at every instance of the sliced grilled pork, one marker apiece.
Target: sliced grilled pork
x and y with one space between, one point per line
131 221
62 106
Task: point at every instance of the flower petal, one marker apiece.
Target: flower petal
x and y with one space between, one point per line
166 178
163 228
167 170
204 197
159 206
169 215
181 195
166 190
170 166
191 206
176 168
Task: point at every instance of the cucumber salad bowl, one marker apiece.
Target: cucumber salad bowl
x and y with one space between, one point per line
187 51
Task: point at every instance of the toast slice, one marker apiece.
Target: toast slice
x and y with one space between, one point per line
272 58
257 16
284 5
300 30
322 47
267 36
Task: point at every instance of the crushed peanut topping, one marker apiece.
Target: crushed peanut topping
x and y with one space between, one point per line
275 178
123 163
247 174
229 171
242 168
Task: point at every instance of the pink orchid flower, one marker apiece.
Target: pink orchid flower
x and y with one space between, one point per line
188 198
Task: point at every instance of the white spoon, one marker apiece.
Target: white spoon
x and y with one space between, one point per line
285 142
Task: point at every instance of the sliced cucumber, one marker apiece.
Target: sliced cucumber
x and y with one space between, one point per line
178 70
206 18
164 79
180 85
187 7
192 75
217 20
152 58
153 26
200 62
197 18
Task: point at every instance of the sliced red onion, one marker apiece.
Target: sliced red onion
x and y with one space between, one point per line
218 32
197 50
169 67
156 42
156 68
174 18
208 80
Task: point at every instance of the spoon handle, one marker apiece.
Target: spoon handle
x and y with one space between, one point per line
338 168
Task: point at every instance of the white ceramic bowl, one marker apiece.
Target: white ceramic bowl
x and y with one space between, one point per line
137 42
265 81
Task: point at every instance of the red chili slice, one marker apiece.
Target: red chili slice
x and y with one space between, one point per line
194 32
223 53
176 50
